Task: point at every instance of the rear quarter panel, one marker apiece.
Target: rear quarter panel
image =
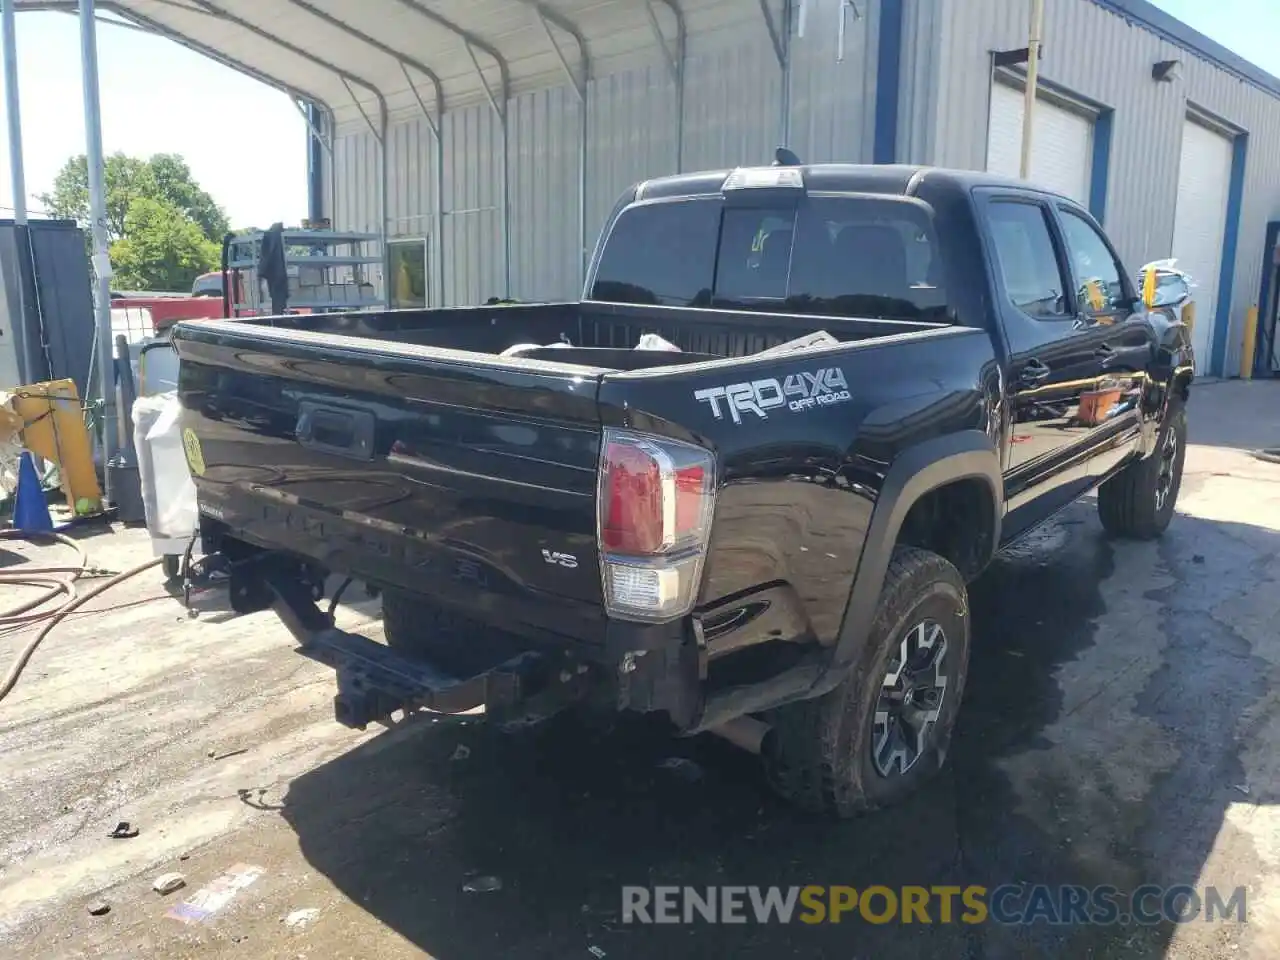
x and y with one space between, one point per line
799 483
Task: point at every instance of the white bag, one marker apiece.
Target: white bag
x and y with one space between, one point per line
168 493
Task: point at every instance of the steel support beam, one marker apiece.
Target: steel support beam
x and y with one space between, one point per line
311 127
13 110
103 342
581 85
436 125
404 59
774 36
780 38
138 21
127 25
674 60
788 14
432 122
472 42
348 80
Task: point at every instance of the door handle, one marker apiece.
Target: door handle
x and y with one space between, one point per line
1105 352
1035 372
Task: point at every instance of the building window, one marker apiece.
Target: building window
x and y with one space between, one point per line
408 263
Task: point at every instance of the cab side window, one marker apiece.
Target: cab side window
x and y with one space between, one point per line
1028 263
1099 287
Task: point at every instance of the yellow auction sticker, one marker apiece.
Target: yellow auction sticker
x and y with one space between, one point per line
195 456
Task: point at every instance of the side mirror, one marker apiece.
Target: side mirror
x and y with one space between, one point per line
1164 288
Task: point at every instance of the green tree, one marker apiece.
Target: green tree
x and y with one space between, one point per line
161 248
164 176
149 203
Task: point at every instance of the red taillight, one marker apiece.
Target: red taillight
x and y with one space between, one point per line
690 490
632 521
655 506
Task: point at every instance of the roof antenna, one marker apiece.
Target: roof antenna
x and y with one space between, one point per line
782 157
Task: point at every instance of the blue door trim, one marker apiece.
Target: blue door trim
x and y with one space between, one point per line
1226 277
1101 164
1261 362
884 148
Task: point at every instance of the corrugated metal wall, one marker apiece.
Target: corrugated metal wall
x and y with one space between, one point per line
732 115
1100 56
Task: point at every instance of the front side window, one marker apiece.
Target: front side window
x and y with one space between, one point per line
856 257
1100 289
1027 261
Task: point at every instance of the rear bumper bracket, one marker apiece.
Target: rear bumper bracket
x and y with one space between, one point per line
374 681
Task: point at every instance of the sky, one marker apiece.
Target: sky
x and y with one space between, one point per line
246 143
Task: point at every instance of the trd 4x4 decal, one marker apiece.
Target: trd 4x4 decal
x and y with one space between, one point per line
798 392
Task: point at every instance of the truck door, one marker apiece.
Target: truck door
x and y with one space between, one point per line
1123 340
1052 357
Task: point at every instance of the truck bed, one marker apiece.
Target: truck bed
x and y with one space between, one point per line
590 327
400 448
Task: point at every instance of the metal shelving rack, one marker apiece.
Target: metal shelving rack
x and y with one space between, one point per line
327 272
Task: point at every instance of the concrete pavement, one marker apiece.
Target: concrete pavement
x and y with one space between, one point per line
1120 726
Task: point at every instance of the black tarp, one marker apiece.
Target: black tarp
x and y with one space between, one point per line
52 321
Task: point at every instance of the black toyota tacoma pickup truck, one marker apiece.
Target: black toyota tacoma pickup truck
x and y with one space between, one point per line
883 374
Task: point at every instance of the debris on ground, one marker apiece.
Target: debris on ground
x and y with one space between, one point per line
682 767
169 882
461 752
1243 788
1197 558
300 918
99 908
596 952
124 830
213 896
485 884
215 755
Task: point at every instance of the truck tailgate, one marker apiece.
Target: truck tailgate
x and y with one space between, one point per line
461 476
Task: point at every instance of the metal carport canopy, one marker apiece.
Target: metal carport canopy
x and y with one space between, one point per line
355 58
370 62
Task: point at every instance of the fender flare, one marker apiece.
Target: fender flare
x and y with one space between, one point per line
918 470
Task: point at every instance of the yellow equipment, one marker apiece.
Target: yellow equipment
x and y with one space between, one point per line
48 420
1250 343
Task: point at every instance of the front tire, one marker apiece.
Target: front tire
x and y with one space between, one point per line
885 729
1138 502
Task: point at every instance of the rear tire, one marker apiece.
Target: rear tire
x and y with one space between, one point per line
1138 502
848 752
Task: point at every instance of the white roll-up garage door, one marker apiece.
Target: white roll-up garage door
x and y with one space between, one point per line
1200 225
1061 147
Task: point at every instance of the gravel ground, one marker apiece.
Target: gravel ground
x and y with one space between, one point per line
1120 726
